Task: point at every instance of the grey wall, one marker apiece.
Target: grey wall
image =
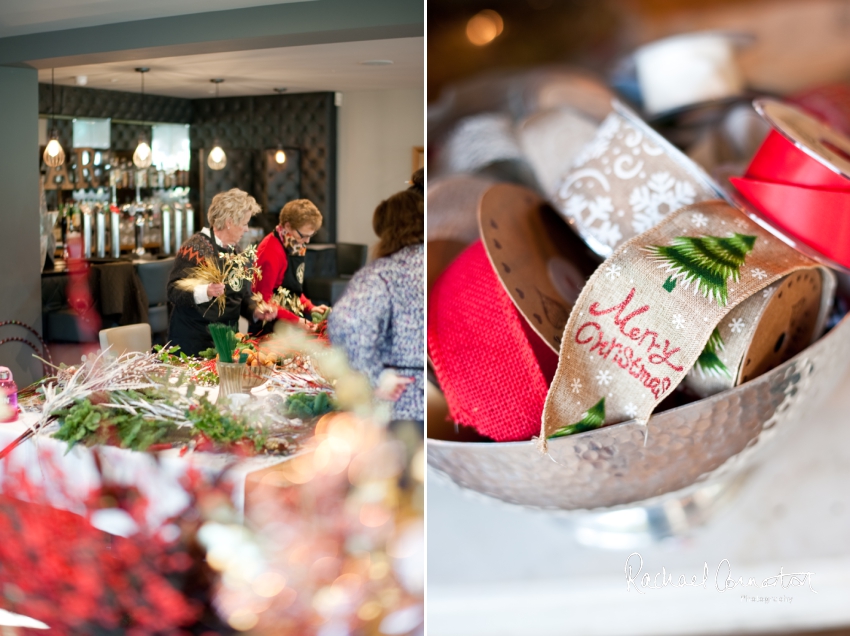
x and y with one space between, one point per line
20 271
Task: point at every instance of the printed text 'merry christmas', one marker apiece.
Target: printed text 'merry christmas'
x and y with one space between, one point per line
591 333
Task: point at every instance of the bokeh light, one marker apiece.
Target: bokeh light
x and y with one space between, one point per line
484 27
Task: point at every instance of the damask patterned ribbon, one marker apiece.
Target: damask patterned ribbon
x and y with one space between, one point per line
626 181
799 181
646 315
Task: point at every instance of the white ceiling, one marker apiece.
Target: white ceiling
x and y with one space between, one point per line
318 67
23 17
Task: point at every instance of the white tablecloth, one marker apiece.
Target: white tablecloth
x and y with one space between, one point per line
156 475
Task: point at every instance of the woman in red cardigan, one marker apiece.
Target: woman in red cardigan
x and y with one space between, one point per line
281 258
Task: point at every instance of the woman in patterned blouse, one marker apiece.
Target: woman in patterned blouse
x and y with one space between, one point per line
379 321
281 257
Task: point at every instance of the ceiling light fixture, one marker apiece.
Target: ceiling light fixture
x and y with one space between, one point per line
142 157
376 62
280 155
54 155
216 159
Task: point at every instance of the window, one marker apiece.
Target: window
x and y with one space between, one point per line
170 146
92 133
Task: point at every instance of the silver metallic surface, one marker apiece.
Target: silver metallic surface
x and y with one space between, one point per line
687 449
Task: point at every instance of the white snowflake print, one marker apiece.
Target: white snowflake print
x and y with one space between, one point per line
608 233
630 410
600 209
759 273
604 378
699 220
660 195
596 148
575 385
767 291
737 325
678 321
612 272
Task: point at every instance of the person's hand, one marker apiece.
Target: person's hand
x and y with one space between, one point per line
391 386
215 289
320 308
265 312
309 325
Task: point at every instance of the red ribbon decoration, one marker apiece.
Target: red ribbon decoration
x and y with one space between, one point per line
493 368
800 196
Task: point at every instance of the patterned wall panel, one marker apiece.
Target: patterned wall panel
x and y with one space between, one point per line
306 122
93 102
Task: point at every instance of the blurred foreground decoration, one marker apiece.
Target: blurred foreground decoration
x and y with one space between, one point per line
330 540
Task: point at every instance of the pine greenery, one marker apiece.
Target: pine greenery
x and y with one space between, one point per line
709 363
593 418
706 261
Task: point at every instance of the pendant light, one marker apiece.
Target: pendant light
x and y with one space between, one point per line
142 157
280 155
54 155
216 159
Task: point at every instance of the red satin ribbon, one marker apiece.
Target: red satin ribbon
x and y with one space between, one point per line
800 196
494 369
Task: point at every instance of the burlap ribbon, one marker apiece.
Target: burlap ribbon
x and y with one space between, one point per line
626 181
654 308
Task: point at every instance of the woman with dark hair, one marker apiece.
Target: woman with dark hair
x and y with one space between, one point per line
379 321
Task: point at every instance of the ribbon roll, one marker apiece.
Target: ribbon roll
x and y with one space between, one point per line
830 104
626 181
798 182
551 140
688 69
651 311
496 315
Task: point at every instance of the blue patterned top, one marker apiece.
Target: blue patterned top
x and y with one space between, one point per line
380 323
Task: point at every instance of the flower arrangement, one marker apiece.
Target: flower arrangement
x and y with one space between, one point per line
233 272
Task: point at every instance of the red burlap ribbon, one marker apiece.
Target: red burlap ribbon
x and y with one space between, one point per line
494 369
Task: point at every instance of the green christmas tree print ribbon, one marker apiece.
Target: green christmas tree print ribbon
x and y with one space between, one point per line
683 297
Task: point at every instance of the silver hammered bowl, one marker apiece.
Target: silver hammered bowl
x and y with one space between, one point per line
712 441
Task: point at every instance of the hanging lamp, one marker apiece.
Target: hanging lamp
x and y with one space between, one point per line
216 159
280 155
142 157
54 155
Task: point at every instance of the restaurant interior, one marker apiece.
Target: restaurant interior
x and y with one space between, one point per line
157 109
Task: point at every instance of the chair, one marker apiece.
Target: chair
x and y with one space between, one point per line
126 338
154 277
327 290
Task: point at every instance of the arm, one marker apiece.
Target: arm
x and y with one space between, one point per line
359 322
272 266
182 264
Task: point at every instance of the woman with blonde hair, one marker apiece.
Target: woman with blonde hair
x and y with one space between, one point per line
195 309
379 321
281 259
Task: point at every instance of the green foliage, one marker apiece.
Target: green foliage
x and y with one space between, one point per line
92 424
208 354
593 418
709 363
225 341
319 316
221 427
306 406
707 261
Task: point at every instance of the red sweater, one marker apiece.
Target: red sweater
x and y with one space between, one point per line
272 261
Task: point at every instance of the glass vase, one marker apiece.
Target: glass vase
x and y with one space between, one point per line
230 377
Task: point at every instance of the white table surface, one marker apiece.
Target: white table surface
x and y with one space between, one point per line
498 570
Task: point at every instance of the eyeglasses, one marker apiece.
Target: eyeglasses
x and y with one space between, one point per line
305 237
